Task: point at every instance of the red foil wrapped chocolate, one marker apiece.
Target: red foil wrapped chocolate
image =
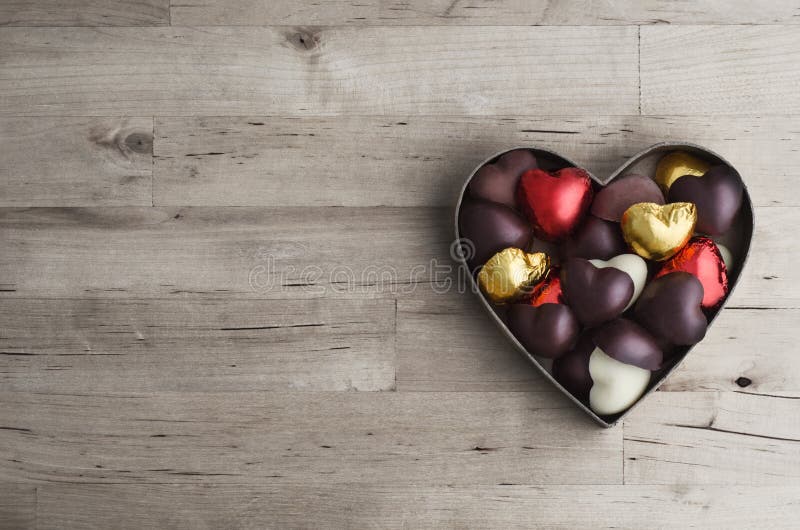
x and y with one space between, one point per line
701 258
548 291
554 203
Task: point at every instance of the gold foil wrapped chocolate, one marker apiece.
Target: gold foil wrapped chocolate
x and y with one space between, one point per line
677 164
656 231
511 272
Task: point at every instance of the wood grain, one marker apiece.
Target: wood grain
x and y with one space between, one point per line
447 342
713 438
713 70
360 506
482 12
17 506
280 253
84 12
301 71
101 346
76 162
747 350
304 438
220 252
422 161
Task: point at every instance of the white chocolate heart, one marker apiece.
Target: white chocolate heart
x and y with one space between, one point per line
632 265
616 386
727 256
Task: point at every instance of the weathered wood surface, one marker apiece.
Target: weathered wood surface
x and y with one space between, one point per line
363 506
17 506
718 70
304 438
84 12
282 253
448 343
267 346
76 162
301 71
422 161
133 345
714 438
483 12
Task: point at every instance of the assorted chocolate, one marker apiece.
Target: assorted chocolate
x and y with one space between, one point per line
511 273
630 276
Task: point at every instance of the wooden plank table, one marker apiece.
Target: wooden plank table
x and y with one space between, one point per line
219 226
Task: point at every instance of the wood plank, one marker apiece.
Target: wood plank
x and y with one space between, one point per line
334 71
84 13
218 252
740 70
748 349
280 253
17 506
100 346
482 12
447 342
422 161
76 162
304 438
358 506
713 438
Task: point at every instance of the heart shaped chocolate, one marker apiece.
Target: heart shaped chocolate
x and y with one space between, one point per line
596 294
547 322
595 239
656 231
717 195
671 309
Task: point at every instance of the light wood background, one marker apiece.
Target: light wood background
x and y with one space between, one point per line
168 171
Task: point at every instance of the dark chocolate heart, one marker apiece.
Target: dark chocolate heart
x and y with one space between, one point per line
595 239
548 330
627 342
498 182
612 201
570 370
491 227
717 196
595 295
670 308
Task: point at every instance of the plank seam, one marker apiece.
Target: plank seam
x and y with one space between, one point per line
153 160
639 63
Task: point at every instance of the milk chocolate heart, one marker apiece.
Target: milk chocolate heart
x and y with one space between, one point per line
622 383
596 295
612 201
498 182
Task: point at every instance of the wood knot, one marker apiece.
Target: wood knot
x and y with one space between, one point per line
122 138
744 382
139 142
305 39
